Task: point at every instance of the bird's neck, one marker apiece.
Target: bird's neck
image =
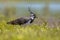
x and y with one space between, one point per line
31 20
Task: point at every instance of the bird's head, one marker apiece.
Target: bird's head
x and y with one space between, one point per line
32 14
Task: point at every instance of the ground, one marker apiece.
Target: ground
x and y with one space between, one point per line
28 32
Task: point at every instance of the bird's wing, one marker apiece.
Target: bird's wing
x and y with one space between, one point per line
21 20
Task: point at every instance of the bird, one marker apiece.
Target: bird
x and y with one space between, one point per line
21 21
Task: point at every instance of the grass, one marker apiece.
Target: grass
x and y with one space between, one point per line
28 32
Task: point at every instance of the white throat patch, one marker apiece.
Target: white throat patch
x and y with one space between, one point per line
32 17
